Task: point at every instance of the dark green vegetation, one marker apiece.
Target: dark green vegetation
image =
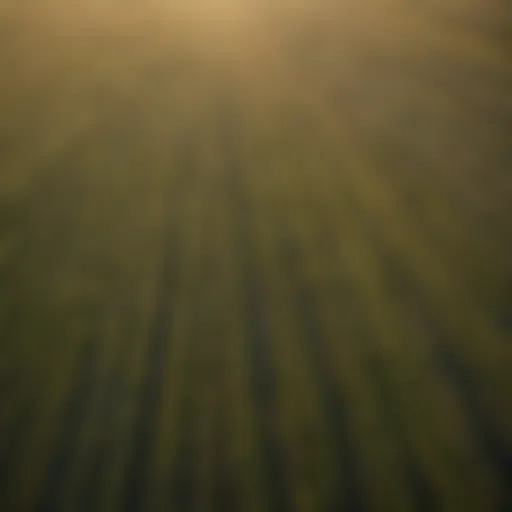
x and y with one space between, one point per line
256 264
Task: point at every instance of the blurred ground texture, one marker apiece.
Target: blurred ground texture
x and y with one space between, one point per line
256 256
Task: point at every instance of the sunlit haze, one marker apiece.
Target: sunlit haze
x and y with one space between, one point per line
255 255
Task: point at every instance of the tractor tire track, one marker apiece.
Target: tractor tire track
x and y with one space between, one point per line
137 477
316 344
495 450
349 491
224 498
95 472
258 337
182 487
450 367
74 415
150 401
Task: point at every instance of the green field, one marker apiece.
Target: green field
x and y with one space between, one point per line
256 256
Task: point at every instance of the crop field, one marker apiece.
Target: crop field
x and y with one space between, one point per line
256 256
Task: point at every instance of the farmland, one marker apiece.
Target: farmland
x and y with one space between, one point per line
255 256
